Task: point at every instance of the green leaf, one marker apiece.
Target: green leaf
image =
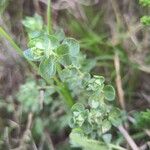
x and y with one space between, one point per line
54 43
73 45
38 126
34 34
77 107
109 92
99 79
60 35
66 60
33 23
28 96
106 125
93 103
143 119
145 20
28 54
145 2
50 43
47 68
79 140
62 50
115 117
107 138
87 128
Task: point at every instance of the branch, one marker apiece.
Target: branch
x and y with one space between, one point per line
128 138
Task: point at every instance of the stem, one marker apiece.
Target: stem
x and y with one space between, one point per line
128 138
116 147
49 140
49 25
66 94
64 89
15 46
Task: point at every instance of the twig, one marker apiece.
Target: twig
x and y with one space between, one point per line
37 6
132 34
128 138
118 81
147 132
119 85
58 113
117 12
26 134
30 116
41 99
41 144
34 146
145 146
7 138
49 140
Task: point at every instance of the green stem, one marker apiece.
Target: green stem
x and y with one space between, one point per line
64 90
116 147
15 46
49 25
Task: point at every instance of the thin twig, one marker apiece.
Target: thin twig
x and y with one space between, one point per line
37 6
41 99
128 138
30 116
132 34
119 85
147 132
26 134
34 146
49 140
58 113
118 81
41 144
6 135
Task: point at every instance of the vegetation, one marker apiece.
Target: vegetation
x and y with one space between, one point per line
65 101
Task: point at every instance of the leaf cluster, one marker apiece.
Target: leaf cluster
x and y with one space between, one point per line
99 116
49 51
143 119
59 56
145 20
145 2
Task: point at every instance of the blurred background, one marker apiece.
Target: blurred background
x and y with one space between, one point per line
110 35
